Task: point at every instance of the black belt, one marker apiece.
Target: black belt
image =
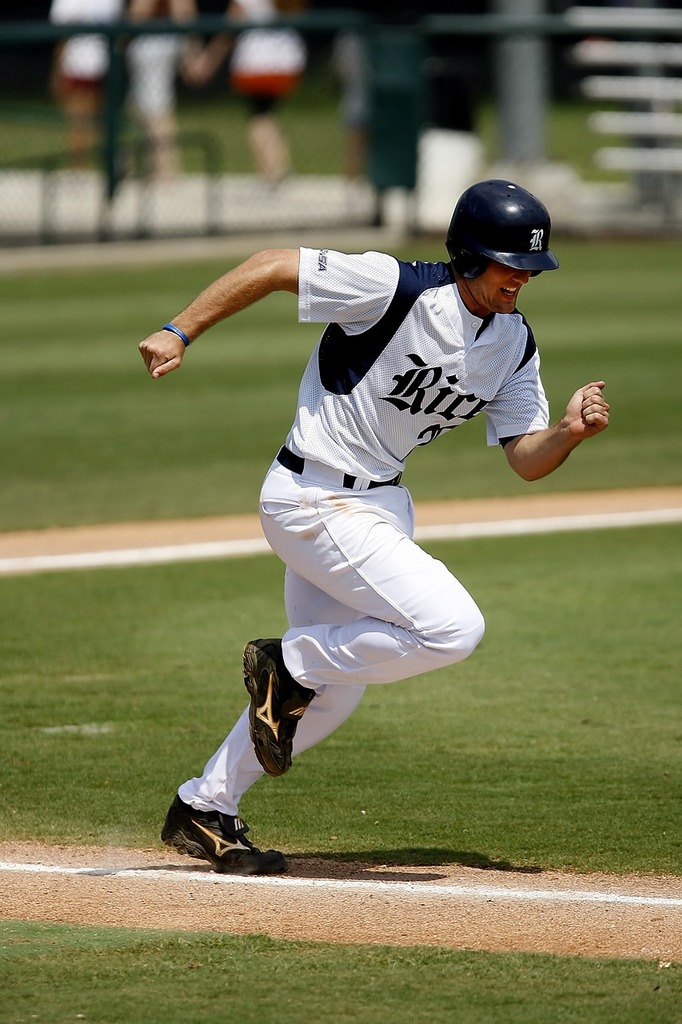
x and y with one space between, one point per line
297 465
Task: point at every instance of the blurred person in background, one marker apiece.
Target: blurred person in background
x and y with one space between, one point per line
153 65
266 65
79 69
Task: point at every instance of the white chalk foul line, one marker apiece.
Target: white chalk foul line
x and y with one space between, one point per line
551 524
134 556
258 546
419 889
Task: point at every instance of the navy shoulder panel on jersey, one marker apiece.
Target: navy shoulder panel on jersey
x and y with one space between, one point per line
345 359
531 347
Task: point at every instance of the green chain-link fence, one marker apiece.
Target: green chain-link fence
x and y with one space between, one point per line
112 191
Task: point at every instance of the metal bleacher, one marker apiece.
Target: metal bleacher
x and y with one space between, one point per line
645 78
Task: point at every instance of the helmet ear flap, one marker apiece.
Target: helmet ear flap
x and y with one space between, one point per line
468 264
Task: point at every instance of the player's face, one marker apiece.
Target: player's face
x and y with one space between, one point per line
494 291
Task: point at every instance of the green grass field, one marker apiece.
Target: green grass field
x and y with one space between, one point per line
62 973
557 745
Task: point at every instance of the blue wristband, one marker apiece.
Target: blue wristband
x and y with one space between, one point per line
176 330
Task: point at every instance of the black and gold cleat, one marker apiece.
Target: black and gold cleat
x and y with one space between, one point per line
277 704
220 839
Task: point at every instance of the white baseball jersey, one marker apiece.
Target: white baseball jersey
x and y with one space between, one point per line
271 51
401 361
85 56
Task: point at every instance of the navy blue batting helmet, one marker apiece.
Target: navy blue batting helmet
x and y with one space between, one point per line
496 220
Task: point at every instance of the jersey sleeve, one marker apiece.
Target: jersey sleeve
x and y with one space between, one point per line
520 407
352 290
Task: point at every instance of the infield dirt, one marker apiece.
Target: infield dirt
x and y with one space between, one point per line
322 900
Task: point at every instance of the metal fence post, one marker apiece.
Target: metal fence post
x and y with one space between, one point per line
113 102
521 85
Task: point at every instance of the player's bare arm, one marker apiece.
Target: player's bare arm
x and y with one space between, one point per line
533 456
268 271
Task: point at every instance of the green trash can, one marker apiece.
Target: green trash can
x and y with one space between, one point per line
397 96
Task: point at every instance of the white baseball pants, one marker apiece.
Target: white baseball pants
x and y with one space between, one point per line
365 605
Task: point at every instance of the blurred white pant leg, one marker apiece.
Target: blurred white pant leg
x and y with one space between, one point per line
152 66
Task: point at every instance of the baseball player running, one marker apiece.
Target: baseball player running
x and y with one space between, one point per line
409 352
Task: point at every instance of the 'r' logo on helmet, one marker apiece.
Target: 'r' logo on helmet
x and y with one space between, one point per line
536 239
